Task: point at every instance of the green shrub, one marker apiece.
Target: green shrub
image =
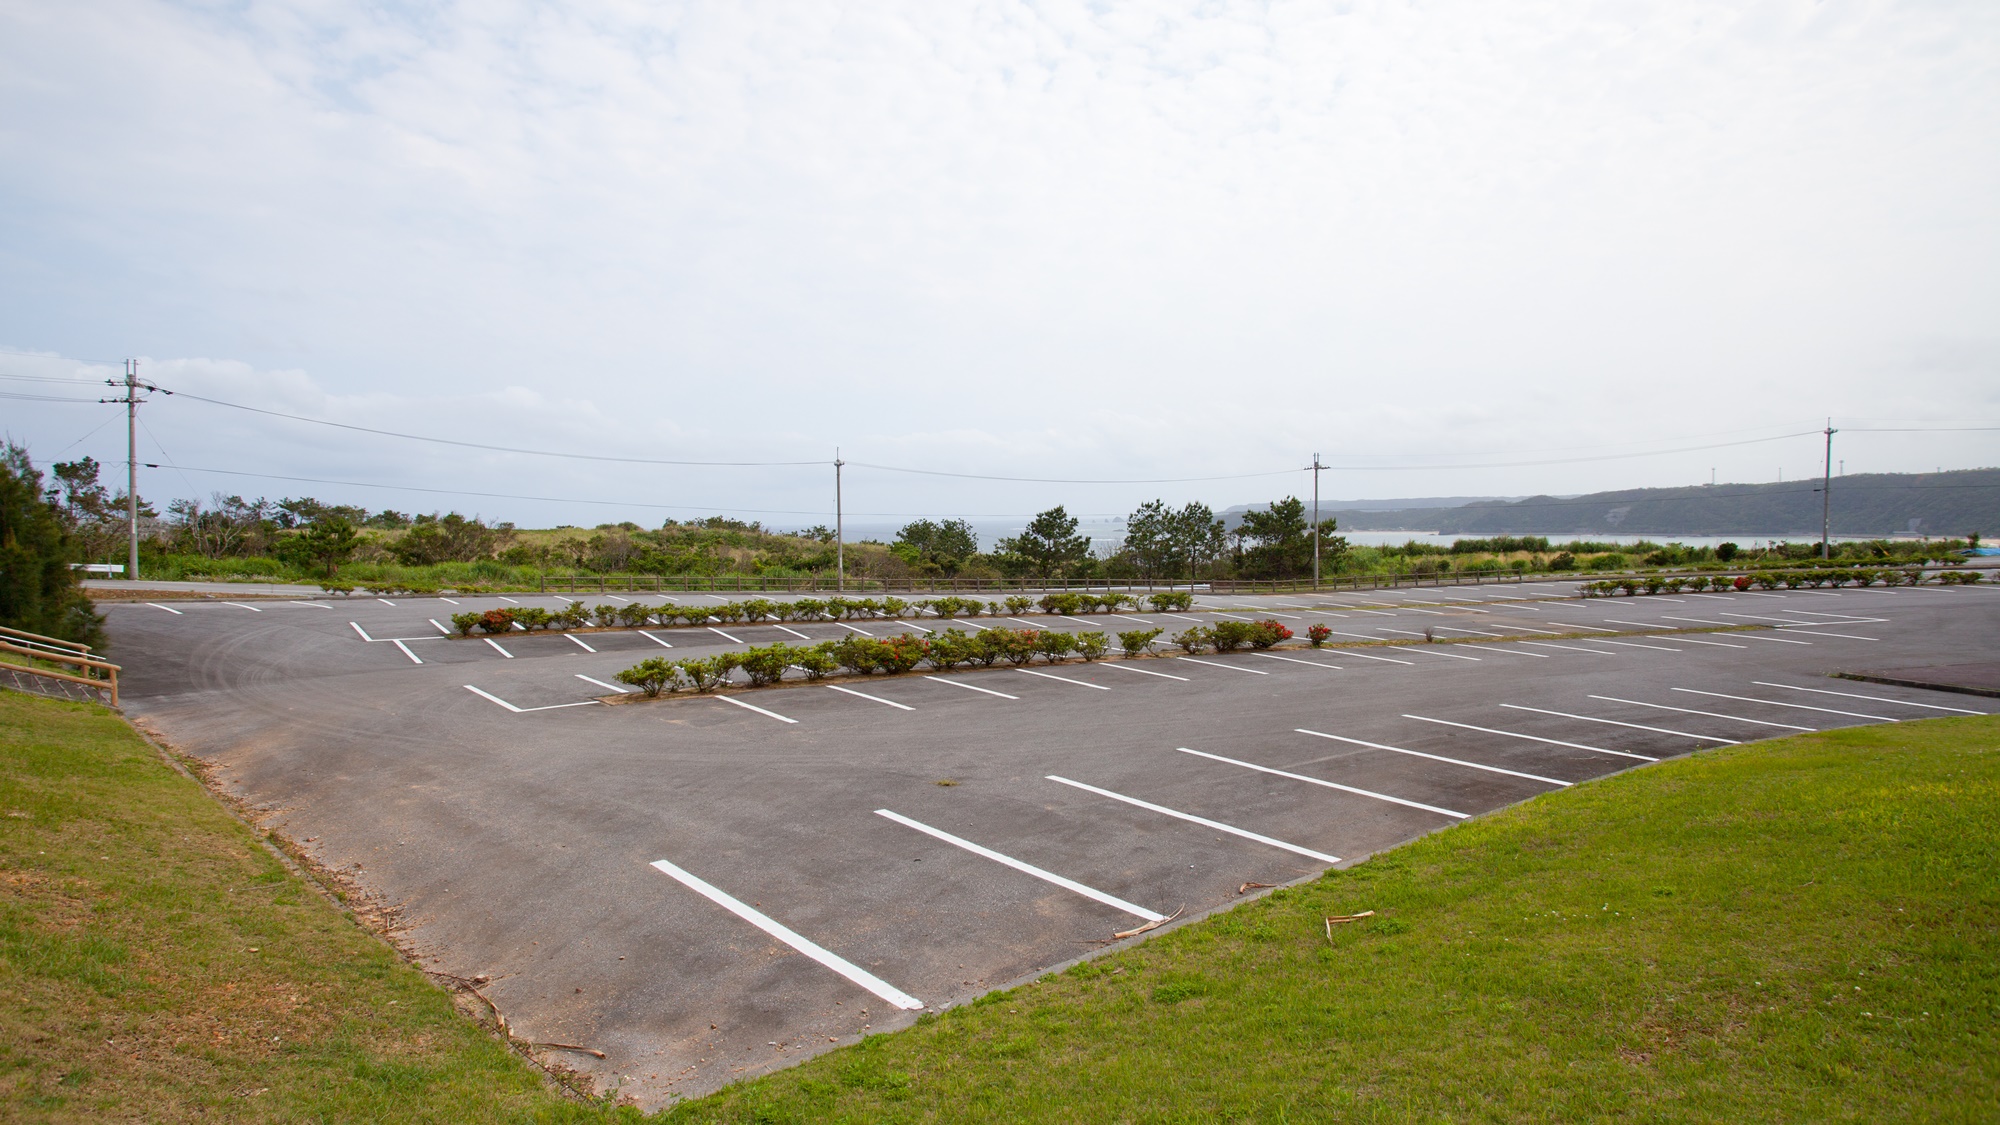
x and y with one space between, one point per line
604 615
652 676
1055 645
1138 640
1794 579
1317 635
531 617
816 661
858 654
1628 587
893 607
342 588
988 647
949 649
903 652
1264 634
765 664
708 673
1018 604
575 615
805 609
757 609
497 620
1017 645
634 613
993 609
1195 639
1092 645
1563 561
1653 583
465 623
1228 636
1763 580
1171 599
1057 603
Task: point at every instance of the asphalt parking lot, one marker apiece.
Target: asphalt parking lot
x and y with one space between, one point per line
704 890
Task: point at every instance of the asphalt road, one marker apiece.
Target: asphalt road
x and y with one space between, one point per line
703 891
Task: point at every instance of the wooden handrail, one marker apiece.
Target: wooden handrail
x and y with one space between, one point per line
48 640
110 682
61 657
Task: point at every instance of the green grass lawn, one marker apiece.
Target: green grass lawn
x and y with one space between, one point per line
158 964
1801 930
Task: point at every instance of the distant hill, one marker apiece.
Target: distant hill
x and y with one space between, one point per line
1935 504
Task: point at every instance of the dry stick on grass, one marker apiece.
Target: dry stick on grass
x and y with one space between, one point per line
1342 919
1254 886
571 1047
1153 925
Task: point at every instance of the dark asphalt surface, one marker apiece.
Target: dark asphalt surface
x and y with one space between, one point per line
521 844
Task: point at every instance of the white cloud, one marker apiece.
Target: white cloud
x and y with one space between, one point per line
1051 239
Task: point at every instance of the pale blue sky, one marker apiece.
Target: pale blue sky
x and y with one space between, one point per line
1051 240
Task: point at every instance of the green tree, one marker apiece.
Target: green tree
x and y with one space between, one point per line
38 590
1149 537
327 542
1049 543
937 546
1197 536
1280 539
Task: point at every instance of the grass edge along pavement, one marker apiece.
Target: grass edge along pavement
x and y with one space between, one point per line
158 961
1801 929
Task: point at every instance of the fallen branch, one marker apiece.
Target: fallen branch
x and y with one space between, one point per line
1254 886
1340 919
571 1047
1153 925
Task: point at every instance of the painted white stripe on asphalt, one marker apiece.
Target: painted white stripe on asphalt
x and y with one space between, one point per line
170 609
1681 640
1593 628
1121 666
908 625
447 601
793 632
440 628
1029 624
1201 820
511 601
414 659
1568 648
1287 616
1435 757
654 639
1432 612
1776 640
716 597
1518 652
1091 893
1791 706
579 642
1064 679
1635 644
616 598
1531 738
1347 652
753 707
969 687
1231 667
1474 632
524 710
355 624
497 648
1816 633
1616 723
1432 651
1870 698
786 934
724 636
1125 617
315 605
870 698
1182 616
852 629
1327 784
602 684
1709 714
1296 660
385 601
240 605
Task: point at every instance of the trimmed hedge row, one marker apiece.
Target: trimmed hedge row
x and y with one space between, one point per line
633 614
1771 580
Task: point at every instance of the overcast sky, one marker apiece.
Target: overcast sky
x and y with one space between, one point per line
1029 240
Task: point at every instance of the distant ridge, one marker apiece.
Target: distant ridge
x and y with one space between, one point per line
1876 504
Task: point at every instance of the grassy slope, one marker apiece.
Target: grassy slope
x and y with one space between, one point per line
156 963
1804 930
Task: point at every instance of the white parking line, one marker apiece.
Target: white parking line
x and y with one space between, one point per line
793 632
356 625
1347 652
497 648
1064 679
1635 644
906 625
314 605
870 698
511 601
1182 616
724 636
168 608
447 601
524 710
654 639
969 687
1568 648
385 601
1124 667
1288 616
1791 706
1684 640
240 605
1517 652
1124 617
1531 738
860 976
1778 640
602 684
1432 612
1616 723
1816 633
1327 784
1431 650
1296 660
1029 624
1231 667
753 707
852 629
414 658
1709 714
1376 612
579 642
1461 629
1435 757
717 597
1201 820
616 598
1593 628
1026 868
440 628
1870 698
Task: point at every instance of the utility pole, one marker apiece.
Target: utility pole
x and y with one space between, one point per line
1826 495
1317 468
839 528
131 400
